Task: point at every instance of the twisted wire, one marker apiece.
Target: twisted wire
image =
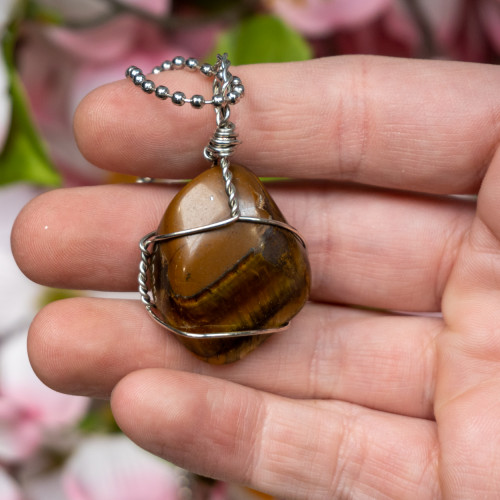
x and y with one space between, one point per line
226 77
232 200
224 140
221 85
143 270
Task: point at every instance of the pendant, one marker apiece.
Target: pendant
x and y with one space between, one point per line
245 276
224 270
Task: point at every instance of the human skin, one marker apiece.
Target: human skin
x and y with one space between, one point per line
350 402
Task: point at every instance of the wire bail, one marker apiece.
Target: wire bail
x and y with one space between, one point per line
223 143
225 139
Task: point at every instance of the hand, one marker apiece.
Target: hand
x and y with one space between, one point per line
349 402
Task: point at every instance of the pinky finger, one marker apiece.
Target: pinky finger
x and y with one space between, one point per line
289 448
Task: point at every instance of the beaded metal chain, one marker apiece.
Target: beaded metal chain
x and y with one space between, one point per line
227 90
231 91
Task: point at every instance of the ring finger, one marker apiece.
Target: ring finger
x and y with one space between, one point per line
380 361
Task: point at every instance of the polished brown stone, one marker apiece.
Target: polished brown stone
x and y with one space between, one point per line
245 276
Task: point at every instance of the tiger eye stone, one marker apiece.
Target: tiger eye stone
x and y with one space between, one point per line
244 276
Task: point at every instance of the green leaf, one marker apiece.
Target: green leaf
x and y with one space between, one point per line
50 295
262 39
24 157
99 419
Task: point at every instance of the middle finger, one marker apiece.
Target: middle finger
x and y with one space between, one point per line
367 247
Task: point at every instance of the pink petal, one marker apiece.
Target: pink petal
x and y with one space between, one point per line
9 490
90 76
22 388
197 42
19 436
321 17
57 79
18 295
48 73
106 42
158 7
29 409
100 44
77 10
113 468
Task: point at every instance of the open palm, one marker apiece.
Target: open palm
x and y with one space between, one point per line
349 402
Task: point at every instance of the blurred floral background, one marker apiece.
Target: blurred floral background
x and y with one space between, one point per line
54 446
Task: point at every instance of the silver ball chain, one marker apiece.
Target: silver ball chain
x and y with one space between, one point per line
230 90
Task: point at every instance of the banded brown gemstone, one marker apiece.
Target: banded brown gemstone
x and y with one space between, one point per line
245 276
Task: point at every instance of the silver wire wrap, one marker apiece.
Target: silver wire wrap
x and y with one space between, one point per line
222 143
220 147
224 140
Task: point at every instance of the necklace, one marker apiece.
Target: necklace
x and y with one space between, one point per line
224 270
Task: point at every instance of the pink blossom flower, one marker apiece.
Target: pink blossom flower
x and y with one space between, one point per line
59 66
352 27
57 79
113 468
458 29
317 18
29 410
110 467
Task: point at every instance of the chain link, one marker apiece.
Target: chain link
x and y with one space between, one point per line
227 89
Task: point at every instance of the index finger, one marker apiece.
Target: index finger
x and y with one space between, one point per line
428 126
